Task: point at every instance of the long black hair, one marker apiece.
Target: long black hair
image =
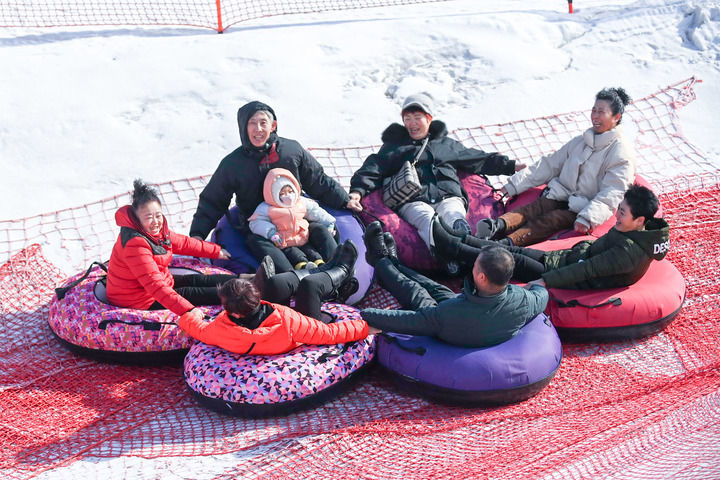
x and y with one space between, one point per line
617 97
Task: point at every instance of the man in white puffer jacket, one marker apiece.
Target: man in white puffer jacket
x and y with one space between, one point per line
586 180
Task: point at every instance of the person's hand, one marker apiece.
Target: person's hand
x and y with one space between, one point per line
519 166
192 316
373 330
277 240
539 281
581 228
354 203
224 254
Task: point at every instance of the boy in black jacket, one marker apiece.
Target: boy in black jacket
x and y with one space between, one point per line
617 259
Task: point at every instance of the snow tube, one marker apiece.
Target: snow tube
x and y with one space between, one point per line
267 385
612 314
242 260
86 324
510 372
532 194
412 251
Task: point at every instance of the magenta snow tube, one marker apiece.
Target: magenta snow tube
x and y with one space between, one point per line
269 385
86 324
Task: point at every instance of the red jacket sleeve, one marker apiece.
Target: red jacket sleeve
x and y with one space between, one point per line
139 260
314 332
269 338
184 245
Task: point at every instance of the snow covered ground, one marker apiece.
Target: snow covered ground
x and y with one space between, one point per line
86 110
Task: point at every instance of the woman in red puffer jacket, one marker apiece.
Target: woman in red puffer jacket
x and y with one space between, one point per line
138 274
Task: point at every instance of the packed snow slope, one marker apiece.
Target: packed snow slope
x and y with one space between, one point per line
87 110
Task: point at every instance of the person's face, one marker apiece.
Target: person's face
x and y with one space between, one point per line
625 221
602 117
151 217
259 128
287 195
417 124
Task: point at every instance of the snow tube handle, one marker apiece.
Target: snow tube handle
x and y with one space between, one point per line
615 301
336 353
395 340
62 291
145 324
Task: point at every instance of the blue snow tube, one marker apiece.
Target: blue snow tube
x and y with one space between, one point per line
510 372
242 260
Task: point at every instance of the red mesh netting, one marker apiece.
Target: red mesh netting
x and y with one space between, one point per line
646 408
215 14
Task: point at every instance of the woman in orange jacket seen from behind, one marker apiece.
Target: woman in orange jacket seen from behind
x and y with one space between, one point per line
249 325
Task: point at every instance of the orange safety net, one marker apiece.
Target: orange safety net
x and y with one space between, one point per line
645 408
215 14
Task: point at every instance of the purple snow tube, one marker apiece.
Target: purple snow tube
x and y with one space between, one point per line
242 260
510 372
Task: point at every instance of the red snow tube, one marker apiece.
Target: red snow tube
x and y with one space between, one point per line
532 194
641 309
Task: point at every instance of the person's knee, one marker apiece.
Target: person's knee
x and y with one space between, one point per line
311 286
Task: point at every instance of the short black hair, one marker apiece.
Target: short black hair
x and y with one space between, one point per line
617 97
239 297
497 264
142 194
642 202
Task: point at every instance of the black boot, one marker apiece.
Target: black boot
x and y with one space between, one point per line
263 273
374 243
340 269
455 232
390 246
447 245
446 248
491 228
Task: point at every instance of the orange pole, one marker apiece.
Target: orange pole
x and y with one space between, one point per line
220 28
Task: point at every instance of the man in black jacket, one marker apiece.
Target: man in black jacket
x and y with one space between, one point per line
243 171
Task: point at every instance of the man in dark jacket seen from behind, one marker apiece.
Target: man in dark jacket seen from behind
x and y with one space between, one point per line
487 312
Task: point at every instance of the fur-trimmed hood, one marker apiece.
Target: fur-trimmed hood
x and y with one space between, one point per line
398 134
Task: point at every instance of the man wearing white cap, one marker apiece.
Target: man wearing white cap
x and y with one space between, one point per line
438 159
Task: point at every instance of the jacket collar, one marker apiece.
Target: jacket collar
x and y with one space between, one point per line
398 134
471 293
598 142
